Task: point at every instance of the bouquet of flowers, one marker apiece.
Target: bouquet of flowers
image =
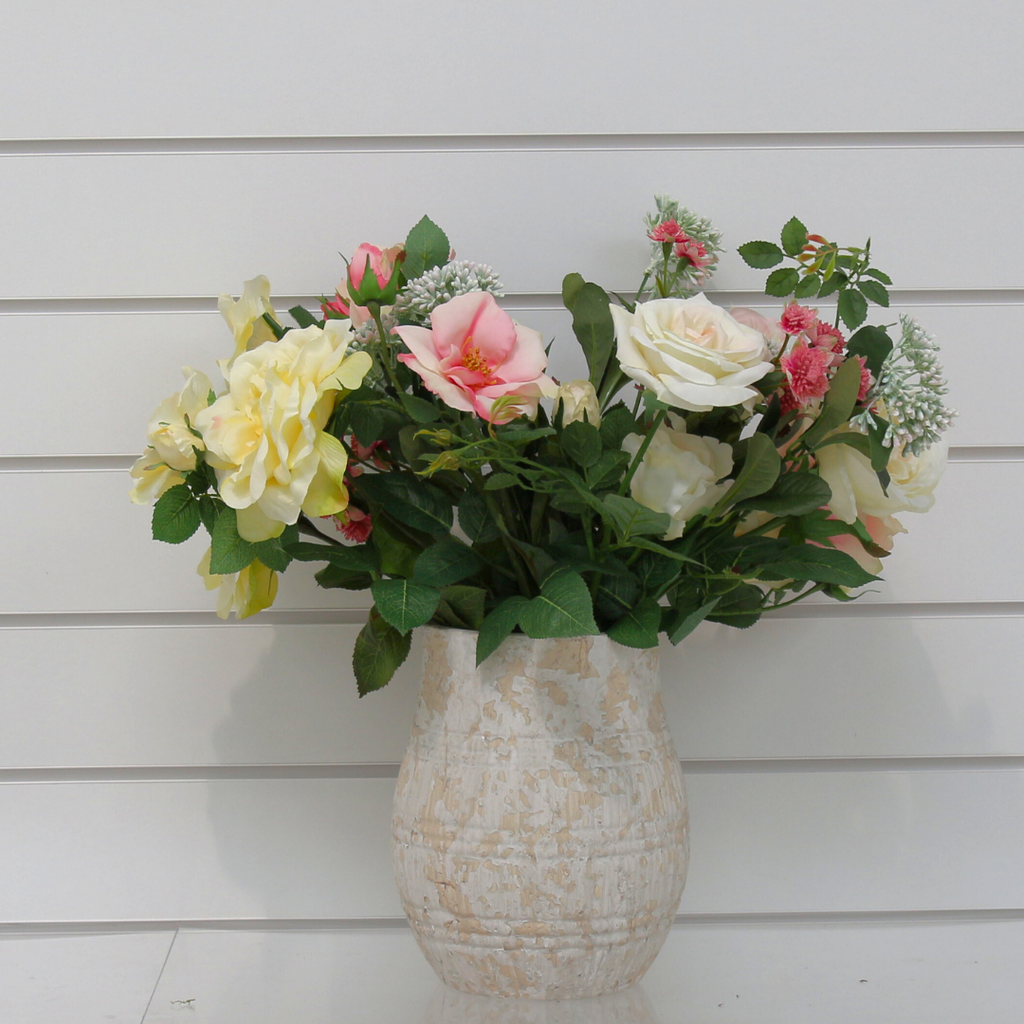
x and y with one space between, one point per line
713 465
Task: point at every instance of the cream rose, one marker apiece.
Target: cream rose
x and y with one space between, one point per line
917 475
690 352
265 438
172 444
679 472
578 397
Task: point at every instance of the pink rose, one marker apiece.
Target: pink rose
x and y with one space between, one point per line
796 318
476 354
772 333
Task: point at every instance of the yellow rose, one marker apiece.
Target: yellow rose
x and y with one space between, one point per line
265 438
245 317
245 593
172 444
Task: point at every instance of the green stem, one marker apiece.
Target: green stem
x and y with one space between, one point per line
384 352
641 451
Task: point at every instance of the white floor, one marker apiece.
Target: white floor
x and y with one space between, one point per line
797 973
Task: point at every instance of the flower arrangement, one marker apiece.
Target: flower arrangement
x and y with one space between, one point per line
714 464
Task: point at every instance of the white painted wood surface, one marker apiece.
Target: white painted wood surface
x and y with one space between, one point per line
229 695
224 217
532 66
144 755
294 848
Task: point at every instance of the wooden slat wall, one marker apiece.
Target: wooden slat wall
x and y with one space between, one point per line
156 764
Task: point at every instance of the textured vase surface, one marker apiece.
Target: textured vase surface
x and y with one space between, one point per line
540 827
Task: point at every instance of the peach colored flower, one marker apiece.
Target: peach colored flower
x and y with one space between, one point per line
476 354
796 318
881 529
773 334
806 370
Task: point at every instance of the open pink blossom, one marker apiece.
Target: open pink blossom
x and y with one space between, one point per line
475 354
667 231
807 371
692 250
796 318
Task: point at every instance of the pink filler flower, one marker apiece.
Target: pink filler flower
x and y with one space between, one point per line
796 318
476 354
807 371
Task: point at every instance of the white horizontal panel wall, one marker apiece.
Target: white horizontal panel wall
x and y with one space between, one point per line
109 400
316 848
285 695
534 66
196 224
86 548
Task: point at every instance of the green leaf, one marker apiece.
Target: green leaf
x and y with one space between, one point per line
426 246
571 285
175 515
582 443
397 555
367 422
794 235
608 469
833 284
632 519
848 437
303 317
330 577
782 282
639 626
273 554
463 606
874 344
228 552
853 308
740 607
357 558
760 255
874 291
594 328
878 275
878 451
614 596
446 561
209 508
563 608
807 287
420 409
405 604
660 549
688 620
410 501
498 625
839 402
617 422
378 652
499 481
821 565
793 494
475 518
759 473
654 572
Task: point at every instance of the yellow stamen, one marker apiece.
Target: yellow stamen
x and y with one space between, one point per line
474 359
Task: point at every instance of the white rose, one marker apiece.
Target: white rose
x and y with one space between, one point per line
690 352
679 472
916 475
172 444
578 397
265 438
